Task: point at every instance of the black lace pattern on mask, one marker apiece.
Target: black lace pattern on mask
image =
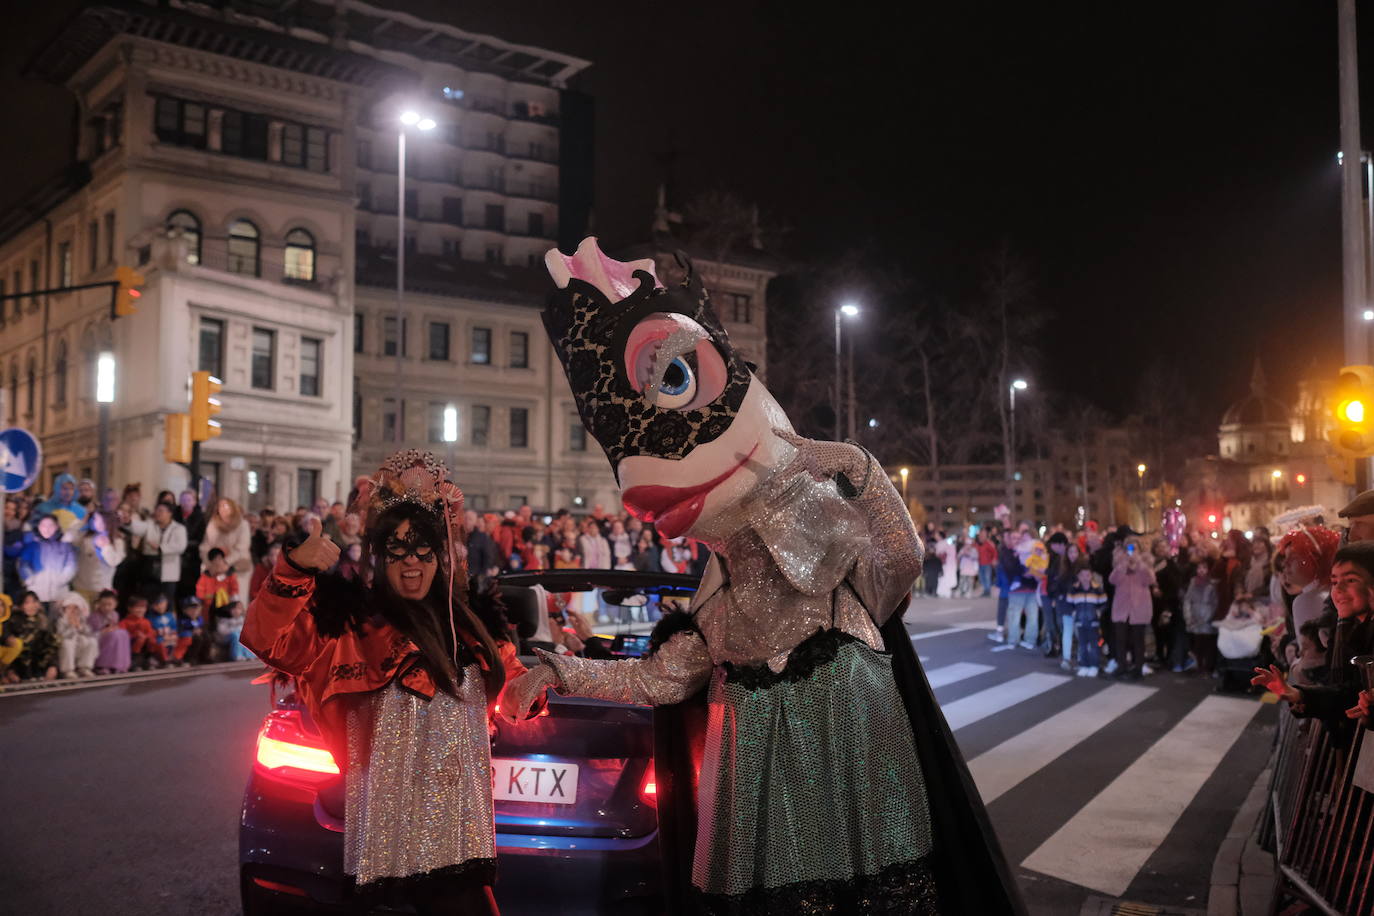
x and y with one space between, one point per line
589 332
900 889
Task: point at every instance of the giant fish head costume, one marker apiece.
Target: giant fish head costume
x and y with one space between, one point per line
687 426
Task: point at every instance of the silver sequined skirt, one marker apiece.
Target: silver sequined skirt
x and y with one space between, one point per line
810 777
419 783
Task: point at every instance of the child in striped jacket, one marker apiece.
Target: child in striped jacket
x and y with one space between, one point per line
1084 602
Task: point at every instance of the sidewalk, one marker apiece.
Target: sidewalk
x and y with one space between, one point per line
1243 873
30 688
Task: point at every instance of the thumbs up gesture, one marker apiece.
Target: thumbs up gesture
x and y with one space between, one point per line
318 551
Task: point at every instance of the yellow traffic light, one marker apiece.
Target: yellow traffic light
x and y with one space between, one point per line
204 406
176 428
1353 433
127 291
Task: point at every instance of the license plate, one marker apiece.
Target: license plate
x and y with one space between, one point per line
534 781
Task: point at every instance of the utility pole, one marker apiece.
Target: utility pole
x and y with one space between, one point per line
1352 228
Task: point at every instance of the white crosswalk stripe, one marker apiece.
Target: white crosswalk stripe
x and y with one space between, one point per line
949 674
974 707
1094 849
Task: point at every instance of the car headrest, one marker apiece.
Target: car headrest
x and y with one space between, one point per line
522 608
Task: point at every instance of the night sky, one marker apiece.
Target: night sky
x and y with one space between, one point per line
1168 169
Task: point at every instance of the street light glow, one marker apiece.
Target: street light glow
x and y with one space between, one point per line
1277 474
410 117
450 424
1368 314
105 378
1020 384
849 310
872 422
905 472
425 124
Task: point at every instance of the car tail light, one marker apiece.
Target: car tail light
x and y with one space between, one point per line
649 789
280 888
286 751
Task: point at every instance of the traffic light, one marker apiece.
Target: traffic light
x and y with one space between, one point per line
176 429
204 406
1353 432
127 292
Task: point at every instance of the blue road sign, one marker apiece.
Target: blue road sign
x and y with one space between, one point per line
21 459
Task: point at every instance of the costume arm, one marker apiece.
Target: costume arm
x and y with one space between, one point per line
677 670
278 628
884 573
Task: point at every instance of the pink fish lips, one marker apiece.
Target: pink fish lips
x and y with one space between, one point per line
673 510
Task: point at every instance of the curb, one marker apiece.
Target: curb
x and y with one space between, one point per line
34 688
1243 873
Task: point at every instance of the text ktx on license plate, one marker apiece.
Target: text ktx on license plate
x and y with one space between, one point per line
543 781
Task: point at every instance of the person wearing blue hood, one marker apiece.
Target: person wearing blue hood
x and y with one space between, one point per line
64 498
47 563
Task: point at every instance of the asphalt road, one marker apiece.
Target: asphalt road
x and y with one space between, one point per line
125 799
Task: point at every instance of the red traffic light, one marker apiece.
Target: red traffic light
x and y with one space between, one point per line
1301 479
1212 518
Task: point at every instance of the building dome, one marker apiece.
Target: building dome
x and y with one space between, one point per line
1257 408
1257 428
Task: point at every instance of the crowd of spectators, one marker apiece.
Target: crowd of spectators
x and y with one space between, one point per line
104 583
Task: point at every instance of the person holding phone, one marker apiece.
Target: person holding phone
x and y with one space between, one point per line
1132 610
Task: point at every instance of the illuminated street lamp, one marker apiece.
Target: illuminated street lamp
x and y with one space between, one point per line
408 118
905 472
847 310
104 396
1019 384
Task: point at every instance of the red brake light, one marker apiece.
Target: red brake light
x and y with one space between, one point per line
135 294
285 750
649 790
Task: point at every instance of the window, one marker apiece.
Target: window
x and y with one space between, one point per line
481 346
14 393
391 425
365 195
436 421
184 222
33 282
64 263
243 248
438 341
481 423
93 244
243 134
452 210
211 352
264 358
519 427
364 154
33 386
316 149
389 336
536 225
59 374
307 486
412 202
18 288
293 144
453 248
577 435
519 350
109 237
411 243
357 411
496 217
494 254
311 349
358 324
741 308
182 123
300 256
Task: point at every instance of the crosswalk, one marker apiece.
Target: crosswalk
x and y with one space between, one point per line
1165 739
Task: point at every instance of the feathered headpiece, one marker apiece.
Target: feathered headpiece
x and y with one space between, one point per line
1315 548
411 476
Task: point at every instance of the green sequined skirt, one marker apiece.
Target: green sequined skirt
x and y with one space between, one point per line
811 795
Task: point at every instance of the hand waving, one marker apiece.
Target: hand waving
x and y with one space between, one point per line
317 552
522 692
822 460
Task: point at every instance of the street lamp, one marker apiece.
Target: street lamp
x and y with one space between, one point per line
1140 476
451 434
905 473
408 118
1019 384
104 396
847 310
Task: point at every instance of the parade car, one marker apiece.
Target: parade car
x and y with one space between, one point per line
577 825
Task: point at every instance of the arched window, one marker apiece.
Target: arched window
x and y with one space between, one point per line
184 222
59 378
300 255
33 387
14 393
244 242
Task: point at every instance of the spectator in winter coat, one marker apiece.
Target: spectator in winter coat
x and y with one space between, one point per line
113 639
1084 599
63 501
160 542
1132 610
38 639
99 552
229 532
1199 607
1024 587
987 562
144 645
47 563
483 559
77 653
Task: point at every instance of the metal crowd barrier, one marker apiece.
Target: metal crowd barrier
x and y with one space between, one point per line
1318 823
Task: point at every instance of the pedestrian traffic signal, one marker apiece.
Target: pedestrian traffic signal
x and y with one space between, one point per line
204 406
1352 434
176 429
127 291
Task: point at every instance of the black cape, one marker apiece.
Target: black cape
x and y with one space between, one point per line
970 868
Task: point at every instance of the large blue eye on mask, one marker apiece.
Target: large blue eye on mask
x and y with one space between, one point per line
590 333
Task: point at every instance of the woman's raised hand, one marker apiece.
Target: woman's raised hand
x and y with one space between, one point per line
318 551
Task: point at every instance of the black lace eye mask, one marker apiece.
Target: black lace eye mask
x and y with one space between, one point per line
633 400
412 545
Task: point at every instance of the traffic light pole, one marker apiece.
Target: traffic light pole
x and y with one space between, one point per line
102 474
195 467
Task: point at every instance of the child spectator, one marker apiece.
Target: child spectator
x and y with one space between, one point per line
79 647
1310 668
10 646
217 586
144 646
113 639
47 563
166 625
38 657
227 629
193 644
1085 600
263 568
968 568
987 562
1199 605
